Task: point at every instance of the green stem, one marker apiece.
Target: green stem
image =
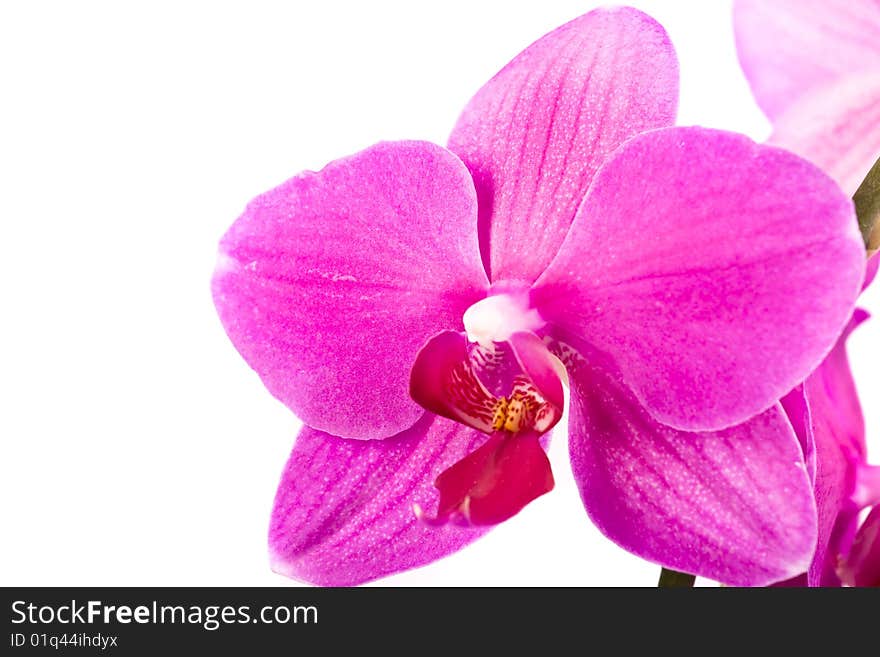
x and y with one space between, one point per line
867 200
672 579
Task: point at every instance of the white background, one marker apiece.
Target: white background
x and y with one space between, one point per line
138 448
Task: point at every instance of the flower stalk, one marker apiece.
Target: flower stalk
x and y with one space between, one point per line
867 200
672 579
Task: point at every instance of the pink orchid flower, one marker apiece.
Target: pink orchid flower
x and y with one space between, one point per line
666 275
814 67
846 483
861 566
827 416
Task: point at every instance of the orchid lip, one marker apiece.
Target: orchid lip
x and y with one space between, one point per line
492 483
460 380
446 380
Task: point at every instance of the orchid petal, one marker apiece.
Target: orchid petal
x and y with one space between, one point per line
734 506
494 482
862 564
833 480
329 284
716 272
837 127
789 47
344 509
837 430
797 410
536 133
834 401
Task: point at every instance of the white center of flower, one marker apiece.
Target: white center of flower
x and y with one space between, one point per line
496 318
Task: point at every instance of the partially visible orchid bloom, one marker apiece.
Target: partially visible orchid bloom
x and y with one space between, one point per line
420 309
814 67
827 416
861 566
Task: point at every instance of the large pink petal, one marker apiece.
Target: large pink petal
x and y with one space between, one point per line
734 506
717 273
329 284
344 509
789 47
837 127
536 133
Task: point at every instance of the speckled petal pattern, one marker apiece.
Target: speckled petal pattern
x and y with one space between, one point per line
344 508
717 273
735 506
535 134
329 284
